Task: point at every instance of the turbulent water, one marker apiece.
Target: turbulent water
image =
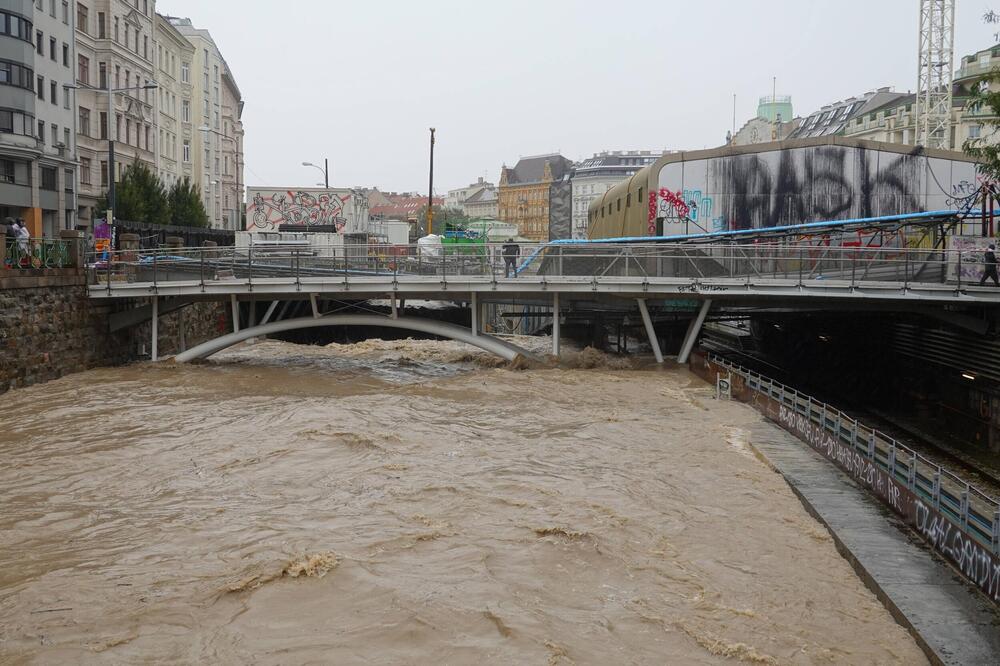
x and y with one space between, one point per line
409 502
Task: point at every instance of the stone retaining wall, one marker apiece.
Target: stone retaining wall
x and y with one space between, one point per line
50 328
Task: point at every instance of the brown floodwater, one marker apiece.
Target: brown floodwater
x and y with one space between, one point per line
410 503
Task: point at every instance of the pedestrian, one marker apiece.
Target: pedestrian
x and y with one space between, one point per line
511 251
22 236
990 271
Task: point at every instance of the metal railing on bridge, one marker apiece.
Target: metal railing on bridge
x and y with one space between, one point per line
846 266
36 253
975 511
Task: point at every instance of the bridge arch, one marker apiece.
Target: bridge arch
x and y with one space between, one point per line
485 342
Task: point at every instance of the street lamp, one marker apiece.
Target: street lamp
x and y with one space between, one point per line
151 85
236 158
325 169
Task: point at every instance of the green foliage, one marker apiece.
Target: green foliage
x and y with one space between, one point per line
186 207
141 197
985 95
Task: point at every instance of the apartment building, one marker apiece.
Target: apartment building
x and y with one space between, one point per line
174 54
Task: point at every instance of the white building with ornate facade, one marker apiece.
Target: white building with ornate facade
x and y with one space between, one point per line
174 54
116 46
595 176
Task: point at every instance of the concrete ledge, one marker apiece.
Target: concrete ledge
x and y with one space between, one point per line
44 277
951 620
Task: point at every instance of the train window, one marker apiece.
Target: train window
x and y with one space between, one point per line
619 204
628 199
640 195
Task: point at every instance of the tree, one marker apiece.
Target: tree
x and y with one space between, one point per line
139 196
442 218
986 95
186 207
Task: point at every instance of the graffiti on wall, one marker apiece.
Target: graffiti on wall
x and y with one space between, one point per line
793 186
267 211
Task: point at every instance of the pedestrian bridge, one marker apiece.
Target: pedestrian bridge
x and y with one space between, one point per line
719 276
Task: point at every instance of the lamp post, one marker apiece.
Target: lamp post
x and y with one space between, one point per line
236 167
325 169
153 85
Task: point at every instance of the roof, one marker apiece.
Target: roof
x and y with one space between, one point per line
484 195
532 169
402 206
833 118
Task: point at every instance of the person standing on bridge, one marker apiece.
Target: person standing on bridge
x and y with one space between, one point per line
990 271
511 251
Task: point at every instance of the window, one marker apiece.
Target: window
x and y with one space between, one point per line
52 8
65 55
41 88
48 178
147 137
145 46
83 66
68 180
216 166
82 16
126 35
984 60
65 12
40 43
104 173
66 96
204 109
118 126
103 75
128 131
116 28
975 131
206 76
66 136
52 92
225 165
186 150
118 76
102 29
15 26
41 131
6 171
84 127
52 49
13 74
54 133
186 111
6 121
103 121
186 72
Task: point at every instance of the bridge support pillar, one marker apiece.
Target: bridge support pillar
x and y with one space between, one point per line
555 324
269 312
692 333
654 342
475 313
236 313
154 349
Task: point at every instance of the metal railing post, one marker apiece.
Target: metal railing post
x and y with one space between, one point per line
111 254
250 265
911 472
965 507
892 458
960 270
201 269
906 269
937 488
800 267
996 532
155 253
854 265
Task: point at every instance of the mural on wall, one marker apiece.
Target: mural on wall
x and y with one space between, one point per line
269 209
798 185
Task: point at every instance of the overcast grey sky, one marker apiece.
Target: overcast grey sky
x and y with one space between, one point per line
361 81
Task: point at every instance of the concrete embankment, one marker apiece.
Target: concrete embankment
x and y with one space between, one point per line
50 328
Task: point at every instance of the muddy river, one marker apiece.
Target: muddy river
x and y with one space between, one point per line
410 503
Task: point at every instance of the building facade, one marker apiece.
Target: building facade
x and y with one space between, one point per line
482 204
232 152
116 45
595 176
173 95
524 196
456 198
37 115
210 146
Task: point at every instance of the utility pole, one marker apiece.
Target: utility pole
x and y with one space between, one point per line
430 190
326 172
